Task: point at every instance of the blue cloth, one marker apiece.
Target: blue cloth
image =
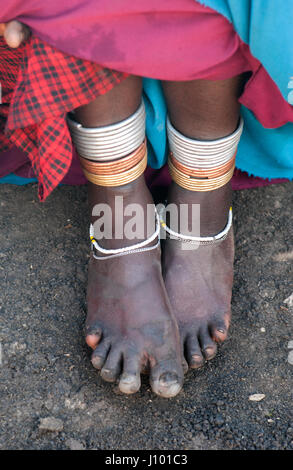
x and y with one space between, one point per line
266 26
14 179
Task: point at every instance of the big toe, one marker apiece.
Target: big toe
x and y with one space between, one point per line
168 383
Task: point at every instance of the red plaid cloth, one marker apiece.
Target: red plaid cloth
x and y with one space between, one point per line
42 84
9 66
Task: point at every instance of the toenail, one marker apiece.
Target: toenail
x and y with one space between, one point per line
210 352
168 386
97 362
129 384
107 372
220 330
108 375
169 377
196 358
128 379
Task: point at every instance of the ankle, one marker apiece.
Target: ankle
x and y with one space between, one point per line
213 208
122 216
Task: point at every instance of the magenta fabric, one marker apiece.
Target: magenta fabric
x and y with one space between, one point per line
164 39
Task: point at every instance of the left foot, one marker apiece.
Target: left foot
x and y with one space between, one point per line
199 282
130 324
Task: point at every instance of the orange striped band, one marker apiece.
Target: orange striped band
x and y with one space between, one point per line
203 173
114 166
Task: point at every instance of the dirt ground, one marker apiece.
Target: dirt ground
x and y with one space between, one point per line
45 367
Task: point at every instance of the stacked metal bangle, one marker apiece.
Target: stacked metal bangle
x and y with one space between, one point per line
195 184
109 142
117 173
201 172
202 165
115 166
199 154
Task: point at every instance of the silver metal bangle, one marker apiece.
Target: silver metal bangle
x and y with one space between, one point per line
109 142
203 154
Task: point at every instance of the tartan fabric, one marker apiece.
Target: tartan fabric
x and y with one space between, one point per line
9 66
43 84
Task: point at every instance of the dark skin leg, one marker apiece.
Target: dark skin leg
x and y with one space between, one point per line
199 282
130 325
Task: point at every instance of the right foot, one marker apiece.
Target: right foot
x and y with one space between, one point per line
130 325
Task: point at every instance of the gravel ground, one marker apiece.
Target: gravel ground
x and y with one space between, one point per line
52 398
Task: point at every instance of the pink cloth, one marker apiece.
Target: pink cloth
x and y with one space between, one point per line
164 39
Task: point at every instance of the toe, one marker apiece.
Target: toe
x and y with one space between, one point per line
93 337
166 381
219 331
208 346
193 352
112 366
130 379
100 354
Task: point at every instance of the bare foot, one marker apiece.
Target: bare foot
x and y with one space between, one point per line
130 325
199 282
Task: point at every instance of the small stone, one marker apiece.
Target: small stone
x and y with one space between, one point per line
220 403
268 293
73 444
219 420
75 403
290 345
263 330
257 397
49 404
16 347
289 301
51 424
287 256
270 420
290 358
